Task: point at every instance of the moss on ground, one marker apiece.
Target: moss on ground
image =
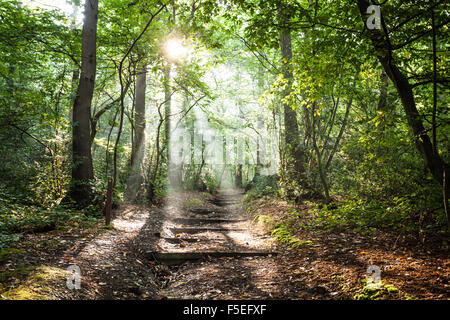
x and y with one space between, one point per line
207 195
193 203
7 252
381 291
31 283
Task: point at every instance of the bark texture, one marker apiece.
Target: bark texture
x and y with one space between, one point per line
383 48
82 171
295 156
138 148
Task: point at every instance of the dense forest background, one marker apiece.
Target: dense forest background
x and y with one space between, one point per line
317 102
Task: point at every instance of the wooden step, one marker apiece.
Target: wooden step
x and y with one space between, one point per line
204 229
172 258
181 240
223 203
199 221
204 211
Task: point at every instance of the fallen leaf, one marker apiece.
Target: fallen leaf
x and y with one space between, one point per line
392 269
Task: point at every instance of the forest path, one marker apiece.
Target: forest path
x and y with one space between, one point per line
214 251
217 228
222 255
221 237
198 246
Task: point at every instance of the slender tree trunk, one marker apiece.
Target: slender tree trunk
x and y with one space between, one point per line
139 116
154 175
138 147
238 176
322 172
82 172
199 171
341 132
167 110
383 91
107 153
382 101
259 126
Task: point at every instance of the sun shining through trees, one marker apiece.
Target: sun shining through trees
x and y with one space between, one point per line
210 133
175 49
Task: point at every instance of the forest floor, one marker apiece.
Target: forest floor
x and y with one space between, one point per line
129 259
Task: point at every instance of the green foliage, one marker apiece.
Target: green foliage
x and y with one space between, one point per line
193 203
6 252
380 292
210 181
17 219
34 97
283 233
365 216
19 272
263 186
264 221
207 196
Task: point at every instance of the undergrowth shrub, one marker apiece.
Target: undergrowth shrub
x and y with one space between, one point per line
365 216
263 186
17 218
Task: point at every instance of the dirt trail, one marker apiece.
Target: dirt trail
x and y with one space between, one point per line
214 252
328 266
216 229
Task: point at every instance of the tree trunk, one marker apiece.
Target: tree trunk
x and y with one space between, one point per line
322 172
138 147
294 155
339 136
380 40
82 171
259 126
199 172
383 91
382 100
167 110
76 67
238 176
